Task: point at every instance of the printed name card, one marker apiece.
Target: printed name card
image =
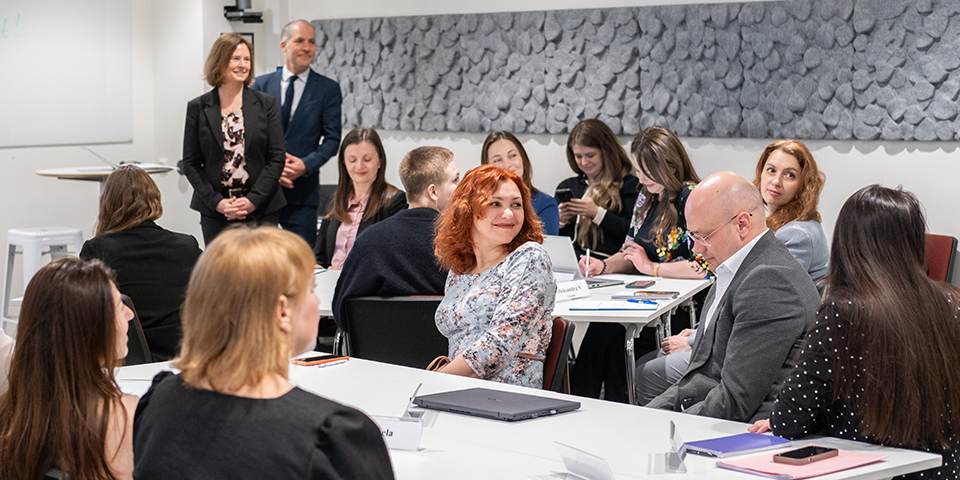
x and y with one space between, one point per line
400 433
572 289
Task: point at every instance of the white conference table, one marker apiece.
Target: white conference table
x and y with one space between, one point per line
628 437
634 320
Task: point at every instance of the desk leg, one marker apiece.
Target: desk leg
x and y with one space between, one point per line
632 331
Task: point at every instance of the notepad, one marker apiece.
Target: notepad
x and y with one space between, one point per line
764 466
741 444
612 305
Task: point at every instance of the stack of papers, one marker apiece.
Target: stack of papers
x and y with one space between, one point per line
764 466
615 305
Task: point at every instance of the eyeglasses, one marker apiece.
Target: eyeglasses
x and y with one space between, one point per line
703 239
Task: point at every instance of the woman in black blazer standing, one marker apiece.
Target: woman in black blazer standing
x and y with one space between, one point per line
363 197
233 148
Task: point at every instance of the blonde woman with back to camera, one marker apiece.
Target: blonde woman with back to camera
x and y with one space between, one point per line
231 412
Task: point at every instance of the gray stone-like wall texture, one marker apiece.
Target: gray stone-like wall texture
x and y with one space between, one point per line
810 69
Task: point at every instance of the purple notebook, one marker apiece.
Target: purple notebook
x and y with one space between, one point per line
735 445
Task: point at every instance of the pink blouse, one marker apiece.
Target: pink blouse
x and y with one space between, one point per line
347 233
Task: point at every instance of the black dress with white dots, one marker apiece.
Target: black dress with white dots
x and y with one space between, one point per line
805 406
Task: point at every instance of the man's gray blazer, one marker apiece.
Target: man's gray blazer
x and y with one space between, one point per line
739 362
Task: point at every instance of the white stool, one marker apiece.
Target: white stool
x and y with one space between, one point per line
32 241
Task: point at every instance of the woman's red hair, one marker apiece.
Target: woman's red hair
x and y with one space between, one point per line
453 244
804 205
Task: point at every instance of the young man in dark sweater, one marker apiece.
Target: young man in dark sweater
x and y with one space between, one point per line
395 257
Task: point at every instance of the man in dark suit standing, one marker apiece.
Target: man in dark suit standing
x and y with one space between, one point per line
309 106
754 319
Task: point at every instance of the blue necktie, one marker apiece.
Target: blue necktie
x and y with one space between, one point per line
287 103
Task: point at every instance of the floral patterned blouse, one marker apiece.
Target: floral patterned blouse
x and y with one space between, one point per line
679 246
234 173
493 316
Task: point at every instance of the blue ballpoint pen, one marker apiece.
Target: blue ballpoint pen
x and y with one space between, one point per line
644 302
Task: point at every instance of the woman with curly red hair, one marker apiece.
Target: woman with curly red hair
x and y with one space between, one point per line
790 183
500 290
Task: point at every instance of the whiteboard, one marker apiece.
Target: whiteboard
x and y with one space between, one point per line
65 72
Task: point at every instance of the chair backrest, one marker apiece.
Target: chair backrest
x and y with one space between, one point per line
941 252
555 364
396 330
137 350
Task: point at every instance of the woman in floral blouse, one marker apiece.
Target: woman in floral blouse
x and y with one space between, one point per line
500 290
656 245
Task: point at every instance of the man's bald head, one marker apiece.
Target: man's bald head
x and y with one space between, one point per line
728 210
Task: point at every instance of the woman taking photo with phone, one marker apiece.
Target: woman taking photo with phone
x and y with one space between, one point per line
500 290
876 282
595 205
250 307
656 245
363 197
504 150
64 414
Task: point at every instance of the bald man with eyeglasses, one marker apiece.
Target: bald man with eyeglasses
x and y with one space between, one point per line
754 320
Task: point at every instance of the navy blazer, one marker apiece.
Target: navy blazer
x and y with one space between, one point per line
317 116
203 152
327 237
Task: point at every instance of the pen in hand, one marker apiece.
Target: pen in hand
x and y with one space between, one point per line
588 262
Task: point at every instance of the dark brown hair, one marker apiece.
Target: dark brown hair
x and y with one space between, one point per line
453 244
593 133
662 158
219 58
129 198
380 191
62 393
903 338
805 203
527 168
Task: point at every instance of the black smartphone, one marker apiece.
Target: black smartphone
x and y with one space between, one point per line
805 455
564 195
641 283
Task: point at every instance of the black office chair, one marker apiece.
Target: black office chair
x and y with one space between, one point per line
396 330
137 350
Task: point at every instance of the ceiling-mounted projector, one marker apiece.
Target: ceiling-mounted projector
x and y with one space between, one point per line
238 13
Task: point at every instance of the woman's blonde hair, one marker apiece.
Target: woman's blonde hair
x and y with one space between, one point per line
231 337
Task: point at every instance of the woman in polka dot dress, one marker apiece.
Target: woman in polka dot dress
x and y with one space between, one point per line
880 361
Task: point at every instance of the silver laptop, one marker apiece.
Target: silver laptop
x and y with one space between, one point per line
565 263
496 404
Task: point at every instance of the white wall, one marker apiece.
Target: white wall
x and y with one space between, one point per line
927 169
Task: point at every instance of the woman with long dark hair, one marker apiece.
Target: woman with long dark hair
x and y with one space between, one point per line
597 217
64 411
879 363
363 197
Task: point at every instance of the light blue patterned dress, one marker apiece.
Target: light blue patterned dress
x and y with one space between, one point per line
492 316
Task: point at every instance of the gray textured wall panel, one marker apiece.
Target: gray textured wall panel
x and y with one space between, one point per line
811 69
